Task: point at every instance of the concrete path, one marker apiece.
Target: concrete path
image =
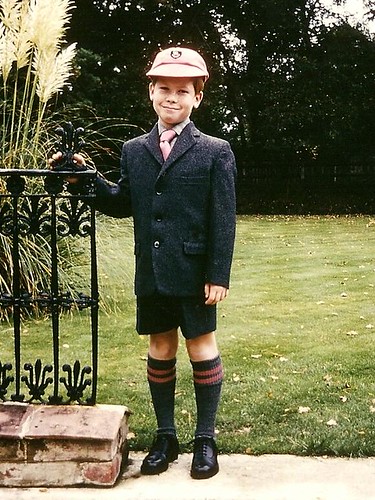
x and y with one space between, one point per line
241 477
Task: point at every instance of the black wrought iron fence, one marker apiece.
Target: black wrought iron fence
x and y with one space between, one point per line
40 202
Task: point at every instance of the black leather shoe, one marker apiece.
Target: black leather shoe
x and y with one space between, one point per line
204 463
163 451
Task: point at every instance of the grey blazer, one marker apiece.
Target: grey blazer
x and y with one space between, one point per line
183 209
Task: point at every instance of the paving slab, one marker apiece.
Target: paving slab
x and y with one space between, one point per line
241 477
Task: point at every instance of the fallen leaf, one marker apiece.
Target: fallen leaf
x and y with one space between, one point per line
332 422
244 430
327 378
352 333
304 409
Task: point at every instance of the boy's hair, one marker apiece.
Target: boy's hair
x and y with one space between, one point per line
198 85
197 82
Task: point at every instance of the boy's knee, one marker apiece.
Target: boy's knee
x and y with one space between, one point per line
163 345
203 347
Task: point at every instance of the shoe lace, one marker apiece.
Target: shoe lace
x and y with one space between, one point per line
201 444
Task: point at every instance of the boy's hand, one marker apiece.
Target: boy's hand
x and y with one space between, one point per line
57 157
77 158
214 293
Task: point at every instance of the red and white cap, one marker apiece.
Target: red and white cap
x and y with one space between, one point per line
179 62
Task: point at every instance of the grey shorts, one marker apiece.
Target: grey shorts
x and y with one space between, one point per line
159 313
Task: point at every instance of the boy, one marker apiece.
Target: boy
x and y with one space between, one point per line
181 195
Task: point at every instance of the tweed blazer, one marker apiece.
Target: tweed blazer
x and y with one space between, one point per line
183 209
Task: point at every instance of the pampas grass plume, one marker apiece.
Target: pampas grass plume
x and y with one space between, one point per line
46 30
52 71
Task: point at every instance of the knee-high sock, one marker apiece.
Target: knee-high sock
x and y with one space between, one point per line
161 375
208 379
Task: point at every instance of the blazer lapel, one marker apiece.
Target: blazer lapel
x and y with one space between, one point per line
184 142
152 144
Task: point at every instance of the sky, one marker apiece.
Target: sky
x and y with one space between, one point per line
354 9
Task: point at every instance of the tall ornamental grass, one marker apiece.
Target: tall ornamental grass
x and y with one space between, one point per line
35 65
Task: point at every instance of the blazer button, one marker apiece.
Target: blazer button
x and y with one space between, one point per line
158 193
156 244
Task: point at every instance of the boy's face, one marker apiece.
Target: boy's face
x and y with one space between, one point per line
174 99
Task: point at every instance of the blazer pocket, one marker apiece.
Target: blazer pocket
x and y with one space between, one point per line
193 180
194 248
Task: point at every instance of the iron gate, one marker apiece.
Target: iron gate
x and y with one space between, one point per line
53 211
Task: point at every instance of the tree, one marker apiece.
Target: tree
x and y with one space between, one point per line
282 86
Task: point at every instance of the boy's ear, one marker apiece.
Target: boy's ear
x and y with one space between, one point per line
198 99
151 89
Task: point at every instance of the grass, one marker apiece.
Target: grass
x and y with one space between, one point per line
296 336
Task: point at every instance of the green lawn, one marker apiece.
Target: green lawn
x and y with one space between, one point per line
296 336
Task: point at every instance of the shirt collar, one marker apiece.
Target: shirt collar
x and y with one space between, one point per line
178 128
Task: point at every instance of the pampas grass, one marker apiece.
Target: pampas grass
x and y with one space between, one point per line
35 65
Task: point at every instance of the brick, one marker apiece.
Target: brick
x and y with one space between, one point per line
83 433
102 474
61 445
99 423
58 474
12 449
12 416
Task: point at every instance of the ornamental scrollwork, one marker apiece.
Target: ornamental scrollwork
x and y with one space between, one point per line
75 381
37 381
5 379
73 218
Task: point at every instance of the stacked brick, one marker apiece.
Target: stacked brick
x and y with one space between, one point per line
56 446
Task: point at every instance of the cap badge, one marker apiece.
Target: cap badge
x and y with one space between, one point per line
175 54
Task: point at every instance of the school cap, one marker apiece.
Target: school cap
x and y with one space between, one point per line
179 62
